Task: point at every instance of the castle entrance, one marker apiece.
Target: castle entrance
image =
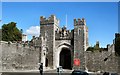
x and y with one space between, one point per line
65 58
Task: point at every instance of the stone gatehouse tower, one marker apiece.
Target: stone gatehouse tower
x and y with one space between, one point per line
59 46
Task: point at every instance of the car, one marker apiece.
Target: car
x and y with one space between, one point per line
114 74
109 73
78 72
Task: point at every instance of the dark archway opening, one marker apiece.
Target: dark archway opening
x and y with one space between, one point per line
46 62
65 58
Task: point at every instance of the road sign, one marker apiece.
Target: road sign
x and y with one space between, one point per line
76 54
77 62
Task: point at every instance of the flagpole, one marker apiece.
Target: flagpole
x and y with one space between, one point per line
66 20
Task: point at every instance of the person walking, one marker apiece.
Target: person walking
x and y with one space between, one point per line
41 69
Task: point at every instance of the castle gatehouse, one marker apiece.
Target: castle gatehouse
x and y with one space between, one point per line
61 46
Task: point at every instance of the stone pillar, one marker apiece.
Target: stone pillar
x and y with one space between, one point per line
56 60
43 56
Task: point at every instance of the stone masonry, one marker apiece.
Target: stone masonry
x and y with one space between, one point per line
56 39
56 47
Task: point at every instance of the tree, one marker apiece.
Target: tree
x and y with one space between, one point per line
90 49
10 32
0 34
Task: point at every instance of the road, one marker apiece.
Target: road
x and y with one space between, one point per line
52 72
7 73
37 73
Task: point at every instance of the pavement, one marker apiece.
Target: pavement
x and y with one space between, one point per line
35 72
47 72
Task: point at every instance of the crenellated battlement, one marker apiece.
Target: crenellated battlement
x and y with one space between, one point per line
63 34
79 21
50 20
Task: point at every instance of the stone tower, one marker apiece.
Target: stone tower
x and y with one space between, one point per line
47 34
80 41
59 46
117 43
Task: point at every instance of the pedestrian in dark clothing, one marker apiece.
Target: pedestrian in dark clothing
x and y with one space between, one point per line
41 69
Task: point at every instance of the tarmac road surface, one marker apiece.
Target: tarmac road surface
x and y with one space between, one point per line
19 73
51 72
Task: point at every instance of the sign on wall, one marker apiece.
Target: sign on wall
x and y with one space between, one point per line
77 62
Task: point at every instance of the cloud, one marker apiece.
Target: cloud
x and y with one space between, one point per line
33 30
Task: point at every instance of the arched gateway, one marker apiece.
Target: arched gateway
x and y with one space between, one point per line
64 56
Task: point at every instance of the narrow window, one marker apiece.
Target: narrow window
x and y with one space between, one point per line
79 31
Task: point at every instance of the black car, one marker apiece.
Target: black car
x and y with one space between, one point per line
114 74
108 73
78 72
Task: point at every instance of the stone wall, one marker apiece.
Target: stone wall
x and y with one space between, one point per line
0 57
95 61
27 58
19 57
118 64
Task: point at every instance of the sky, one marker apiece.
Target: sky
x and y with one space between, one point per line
60 0
119 17
0 12
101 17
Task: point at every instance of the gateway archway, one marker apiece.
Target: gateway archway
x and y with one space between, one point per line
63 52
65 58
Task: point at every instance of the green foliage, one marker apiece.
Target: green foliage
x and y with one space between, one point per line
0 34
93 49
90 49
10 32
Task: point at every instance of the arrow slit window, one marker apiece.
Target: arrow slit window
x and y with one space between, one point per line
79 31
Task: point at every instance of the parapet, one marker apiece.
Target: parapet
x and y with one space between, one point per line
51 20
79 21
63 34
